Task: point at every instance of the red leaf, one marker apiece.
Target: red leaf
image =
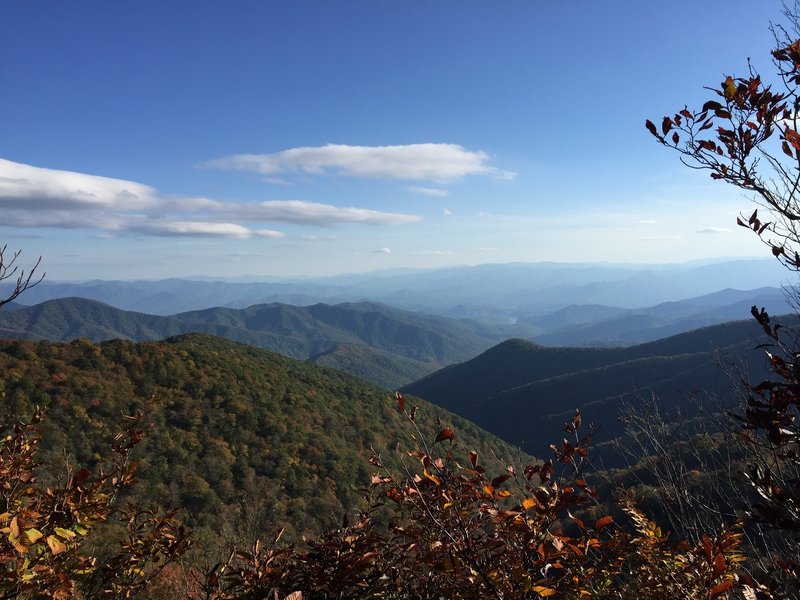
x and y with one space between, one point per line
473 458
719 564
712 105
401 403
80 478
675 138
651 127
720 588
603 522
707 549
445 434
666 125
498 480
576 420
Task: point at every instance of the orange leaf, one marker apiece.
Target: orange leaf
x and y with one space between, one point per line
432 478
720 588
719 564
56 545
603 522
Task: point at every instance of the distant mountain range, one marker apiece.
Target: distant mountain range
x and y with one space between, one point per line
387 346
495 293
524 392
598 325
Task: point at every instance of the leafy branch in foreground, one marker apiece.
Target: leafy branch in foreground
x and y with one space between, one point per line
748 135
439 528
44 531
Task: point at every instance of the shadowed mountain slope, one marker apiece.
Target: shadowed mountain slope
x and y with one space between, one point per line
541 386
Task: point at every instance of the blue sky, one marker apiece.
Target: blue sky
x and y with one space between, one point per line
158 139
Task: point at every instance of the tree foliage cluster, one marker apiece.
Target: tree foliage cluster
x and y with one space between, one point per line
440 525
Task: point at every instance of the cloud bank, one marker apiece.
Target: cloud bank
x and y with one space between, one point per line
33 197
419 162
425 191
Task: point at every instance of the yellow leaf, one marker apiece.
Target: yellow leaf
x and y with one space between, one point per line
33 535
14 528
56 545
544 591
433 478
64 533
528 503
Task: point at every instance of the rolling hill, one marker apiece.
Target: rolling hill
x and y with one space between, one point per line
612 326
387 346
523 392
232 427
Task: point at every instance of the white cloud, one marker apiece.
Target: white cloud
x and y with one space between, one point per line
714 230
647 222
32 197
162 227
23 185
314 213
486 249
447 212
432 253
383 251
419 162
268 233
425 191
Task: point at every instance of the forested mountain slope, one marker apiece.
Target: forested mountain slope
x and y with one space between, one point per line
541 386
389 347
232 426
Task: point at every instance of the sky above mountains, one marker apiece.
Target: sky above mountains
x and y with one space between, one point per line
160 139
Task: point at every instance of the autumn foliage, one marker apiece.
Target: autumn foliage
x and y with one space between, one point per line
440 524
44 530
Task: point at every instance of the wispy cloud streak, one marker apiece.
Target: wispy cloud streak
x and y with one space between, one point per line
419 162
